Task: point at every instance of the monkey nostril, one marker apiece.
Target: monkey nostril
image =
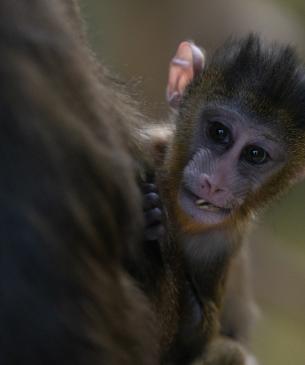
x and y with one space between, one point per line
215 189
205 186
205 183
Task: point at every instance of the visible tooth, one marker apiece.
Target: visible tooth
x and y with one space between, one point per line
204 207
208 207
200 202
213 208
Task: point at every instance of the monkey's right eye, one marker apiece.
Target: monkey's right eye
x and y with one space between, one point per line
255 155
219 133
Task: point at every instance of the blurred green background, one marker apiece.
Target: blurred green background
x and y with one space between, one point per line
135 39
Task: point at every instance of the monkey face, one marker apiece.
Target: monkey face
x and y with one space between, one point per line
239 137
233 155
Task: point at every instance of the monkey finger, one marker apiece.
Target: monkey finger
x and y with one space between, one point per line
153 216
154 233
148 188
151 200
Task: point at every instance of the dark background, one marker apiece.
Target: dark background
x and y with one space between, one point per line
136 39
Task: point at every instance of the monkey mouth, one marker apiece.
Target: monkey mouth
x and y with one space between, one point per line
201 209
206 205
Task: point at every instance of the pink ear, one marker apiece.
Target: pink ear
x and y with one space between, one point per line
186 64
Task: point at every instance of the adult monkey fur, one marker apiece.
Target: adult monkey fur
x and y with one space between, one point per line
238 144
65 215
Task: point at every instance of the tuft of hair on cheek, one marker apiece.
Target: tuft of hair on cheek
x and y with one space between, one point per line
156 140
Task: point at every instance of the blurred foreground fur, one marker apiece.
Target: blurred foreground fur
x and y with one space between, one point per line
68 191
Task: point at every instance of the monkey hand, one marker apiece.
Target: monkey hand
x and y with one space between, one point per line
154 229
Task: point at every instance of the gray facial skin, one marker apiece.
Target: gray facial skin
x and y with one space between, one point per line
231 157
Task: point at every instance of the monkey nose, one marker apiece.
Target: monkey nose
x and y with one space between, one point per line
208 187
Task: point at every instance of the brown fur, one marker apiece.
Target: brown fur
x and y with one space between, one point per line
272 89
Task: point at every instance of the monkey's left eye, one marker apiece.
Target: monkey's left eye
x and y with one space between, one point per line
219 133
255 155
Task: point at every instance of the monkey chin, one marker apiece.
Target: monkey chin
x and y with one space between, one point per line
198 215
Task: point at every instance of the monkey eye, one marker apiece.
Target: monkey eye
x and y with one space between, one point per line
219 133
255 155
